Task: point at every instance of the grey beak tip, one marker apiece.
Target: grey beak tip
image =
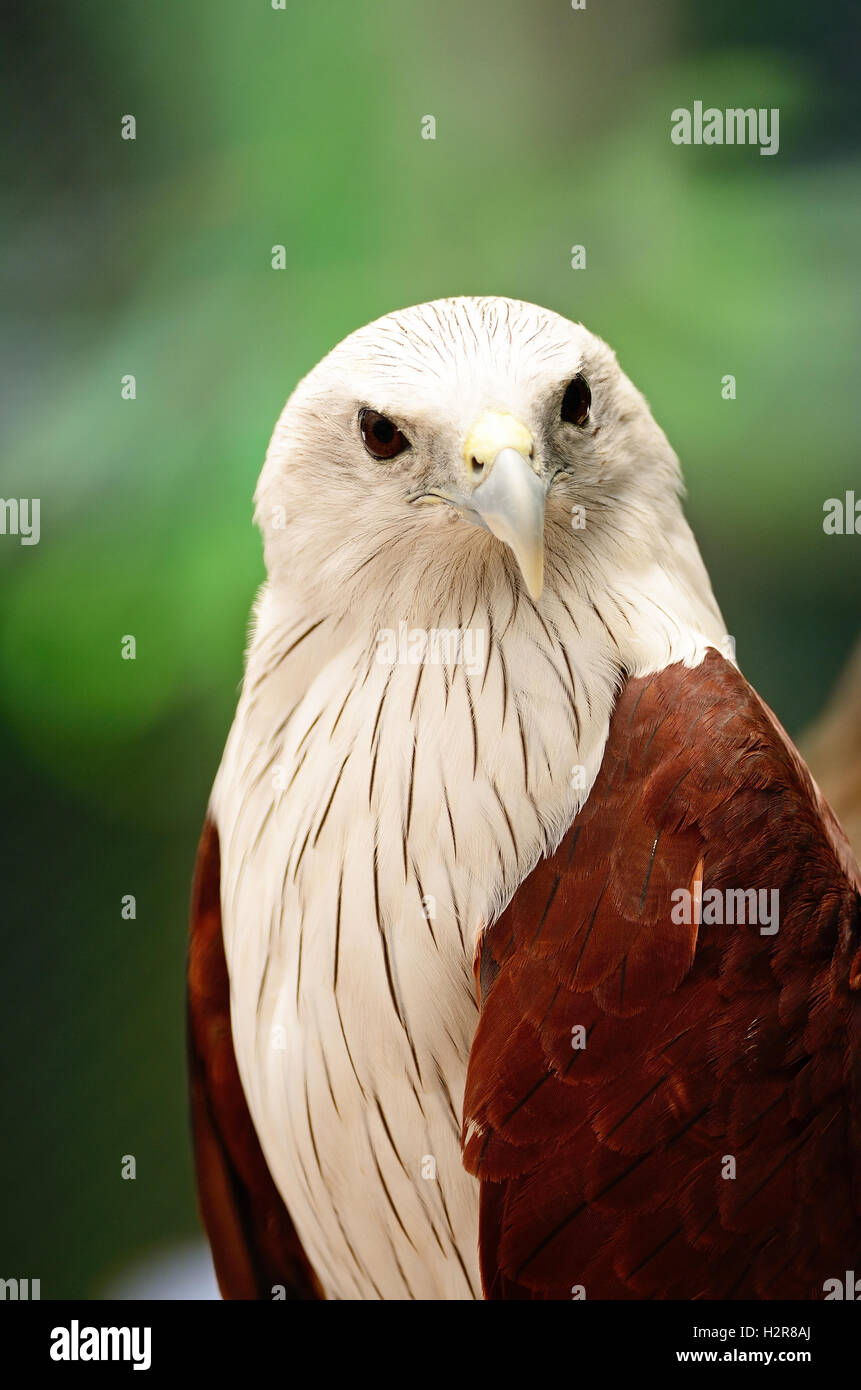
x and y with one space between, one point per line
510 503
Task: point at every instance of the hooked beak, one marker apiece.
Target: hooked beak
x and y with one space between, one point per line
510 496
510 503
507 495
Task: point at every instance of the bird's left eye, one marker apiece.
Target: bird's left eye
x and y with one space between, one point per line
380 435
577 401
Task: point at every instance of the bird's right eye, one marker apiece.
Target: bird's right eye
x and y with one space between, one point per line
380 435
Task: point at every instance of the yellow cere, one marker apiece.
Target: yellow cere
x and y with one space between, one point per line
493 431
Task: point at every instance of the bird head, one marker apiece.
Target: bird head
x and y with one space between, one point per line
465 442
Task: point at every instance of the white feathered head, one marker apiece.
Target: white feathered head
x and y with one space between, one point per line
463 445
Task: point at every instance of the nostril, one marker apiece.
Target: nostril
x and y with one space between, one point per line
477 468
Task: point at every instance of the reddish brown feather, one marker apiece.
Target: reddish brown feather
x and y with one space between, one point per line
603 1167
254 1244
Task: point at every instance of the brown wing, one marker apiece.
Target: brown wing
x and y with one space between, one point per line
705 1142
254 1244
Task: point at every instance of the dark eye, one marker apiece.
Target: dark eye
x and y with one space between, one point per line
576 401
381 438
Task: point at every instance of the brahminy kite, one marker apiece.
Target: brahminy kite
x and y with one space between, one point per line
525 956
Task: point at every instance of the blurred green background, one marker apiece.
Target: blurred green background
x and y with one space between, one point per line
257 127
